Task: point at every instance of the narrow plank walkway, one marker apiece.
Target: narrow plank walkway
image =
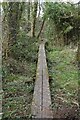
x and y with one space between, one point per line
41 99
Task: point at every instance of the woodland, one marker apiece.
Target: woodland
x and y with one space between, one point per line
24 26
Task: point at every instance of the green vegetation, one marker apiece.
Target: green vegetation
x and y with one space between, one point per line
18 82
64 72
18 96
19 61
64 19
62 34
24 26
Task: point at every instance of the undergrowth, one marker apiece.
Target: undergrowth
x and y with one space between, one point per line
18 78
63 75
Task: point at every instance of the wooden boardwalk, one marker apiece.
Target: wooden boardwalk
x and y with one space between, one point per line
41 98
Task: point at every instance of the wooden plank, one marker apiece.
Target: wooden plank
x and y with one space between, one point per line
47 112
41 97
36 104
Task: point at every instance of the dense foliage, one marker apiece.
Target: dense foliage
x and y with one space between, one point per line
19 61
66 19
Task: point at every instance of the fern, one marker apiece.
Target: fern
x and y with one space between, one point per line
68 29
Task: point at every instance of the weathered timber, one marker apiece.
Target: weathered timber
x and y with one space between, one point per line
41 98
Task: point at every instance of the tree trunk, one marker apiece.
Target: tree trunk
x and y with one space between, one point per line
28 11
12 22
14 16
39 9
41 28
34 14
